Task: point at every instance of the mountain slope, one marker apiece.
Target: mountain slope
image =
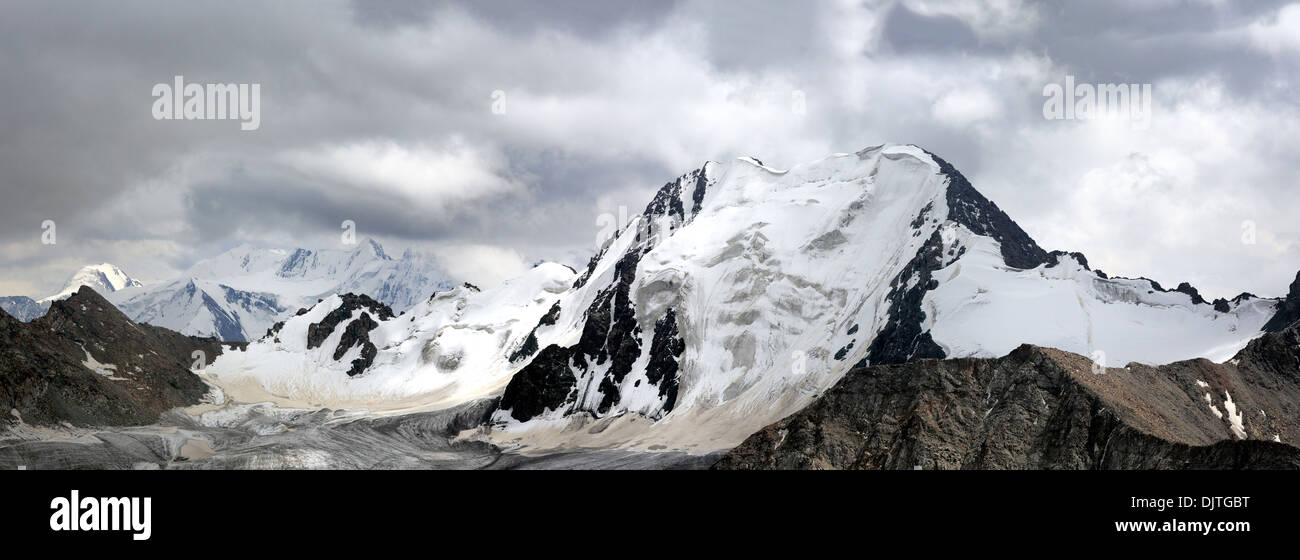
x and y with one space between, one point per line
85 363
741 293
1039 408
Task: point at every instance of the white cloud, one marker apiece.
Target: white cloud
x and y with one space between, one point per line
963 107
484 266
454 173
987 18
1279 32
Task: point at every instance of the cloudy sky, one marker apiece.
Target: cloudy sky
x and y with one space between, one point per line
382 112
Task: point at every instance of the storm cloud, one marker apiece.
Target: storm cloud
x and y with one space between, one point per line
496 133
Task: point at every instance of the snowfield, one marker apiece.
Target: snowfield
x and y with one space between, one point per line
982 308
447 350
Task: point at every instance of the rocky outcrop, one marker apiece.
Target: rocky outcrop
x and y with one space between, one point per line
1288 311
969 208
86 363
546 384
318 332
355 333
1039 408
902 339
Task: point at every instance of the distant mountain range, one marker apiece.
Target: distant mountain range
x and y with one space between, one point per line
238 295
104 278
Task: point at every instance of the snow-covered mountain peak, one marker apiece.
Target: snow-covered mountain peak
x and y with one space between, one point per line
740 293
240 293
104 278
372 249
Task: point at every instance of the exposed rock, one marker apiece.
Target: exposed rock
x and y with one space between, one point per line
85 363
1288 311
665 349
547 383
1189 290
902 338
318 332
969 208
357 333
1040 408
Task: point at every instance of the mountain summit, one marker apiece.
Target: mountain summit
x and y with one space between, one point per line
104 278
740 294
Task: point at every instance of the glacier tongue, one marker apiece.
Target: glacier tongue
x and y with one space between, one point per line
739 295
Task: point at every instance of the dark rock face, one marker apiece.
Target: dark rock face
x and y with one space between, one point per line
665 349
969 208
1288 312
46 370
228 326
901 339
611 332
701 185
547 383
318 332
356 333
1189 290
1039 408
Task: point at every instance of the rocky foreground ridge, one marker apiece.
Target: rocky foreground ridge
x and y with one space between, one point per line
1040 408
85 363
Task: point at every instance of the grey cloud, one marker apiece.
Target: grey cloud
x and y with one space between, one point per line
77 142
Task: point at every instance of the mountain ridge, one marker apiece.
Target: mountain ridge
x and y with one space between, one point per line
85 363
1041 408
742 292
